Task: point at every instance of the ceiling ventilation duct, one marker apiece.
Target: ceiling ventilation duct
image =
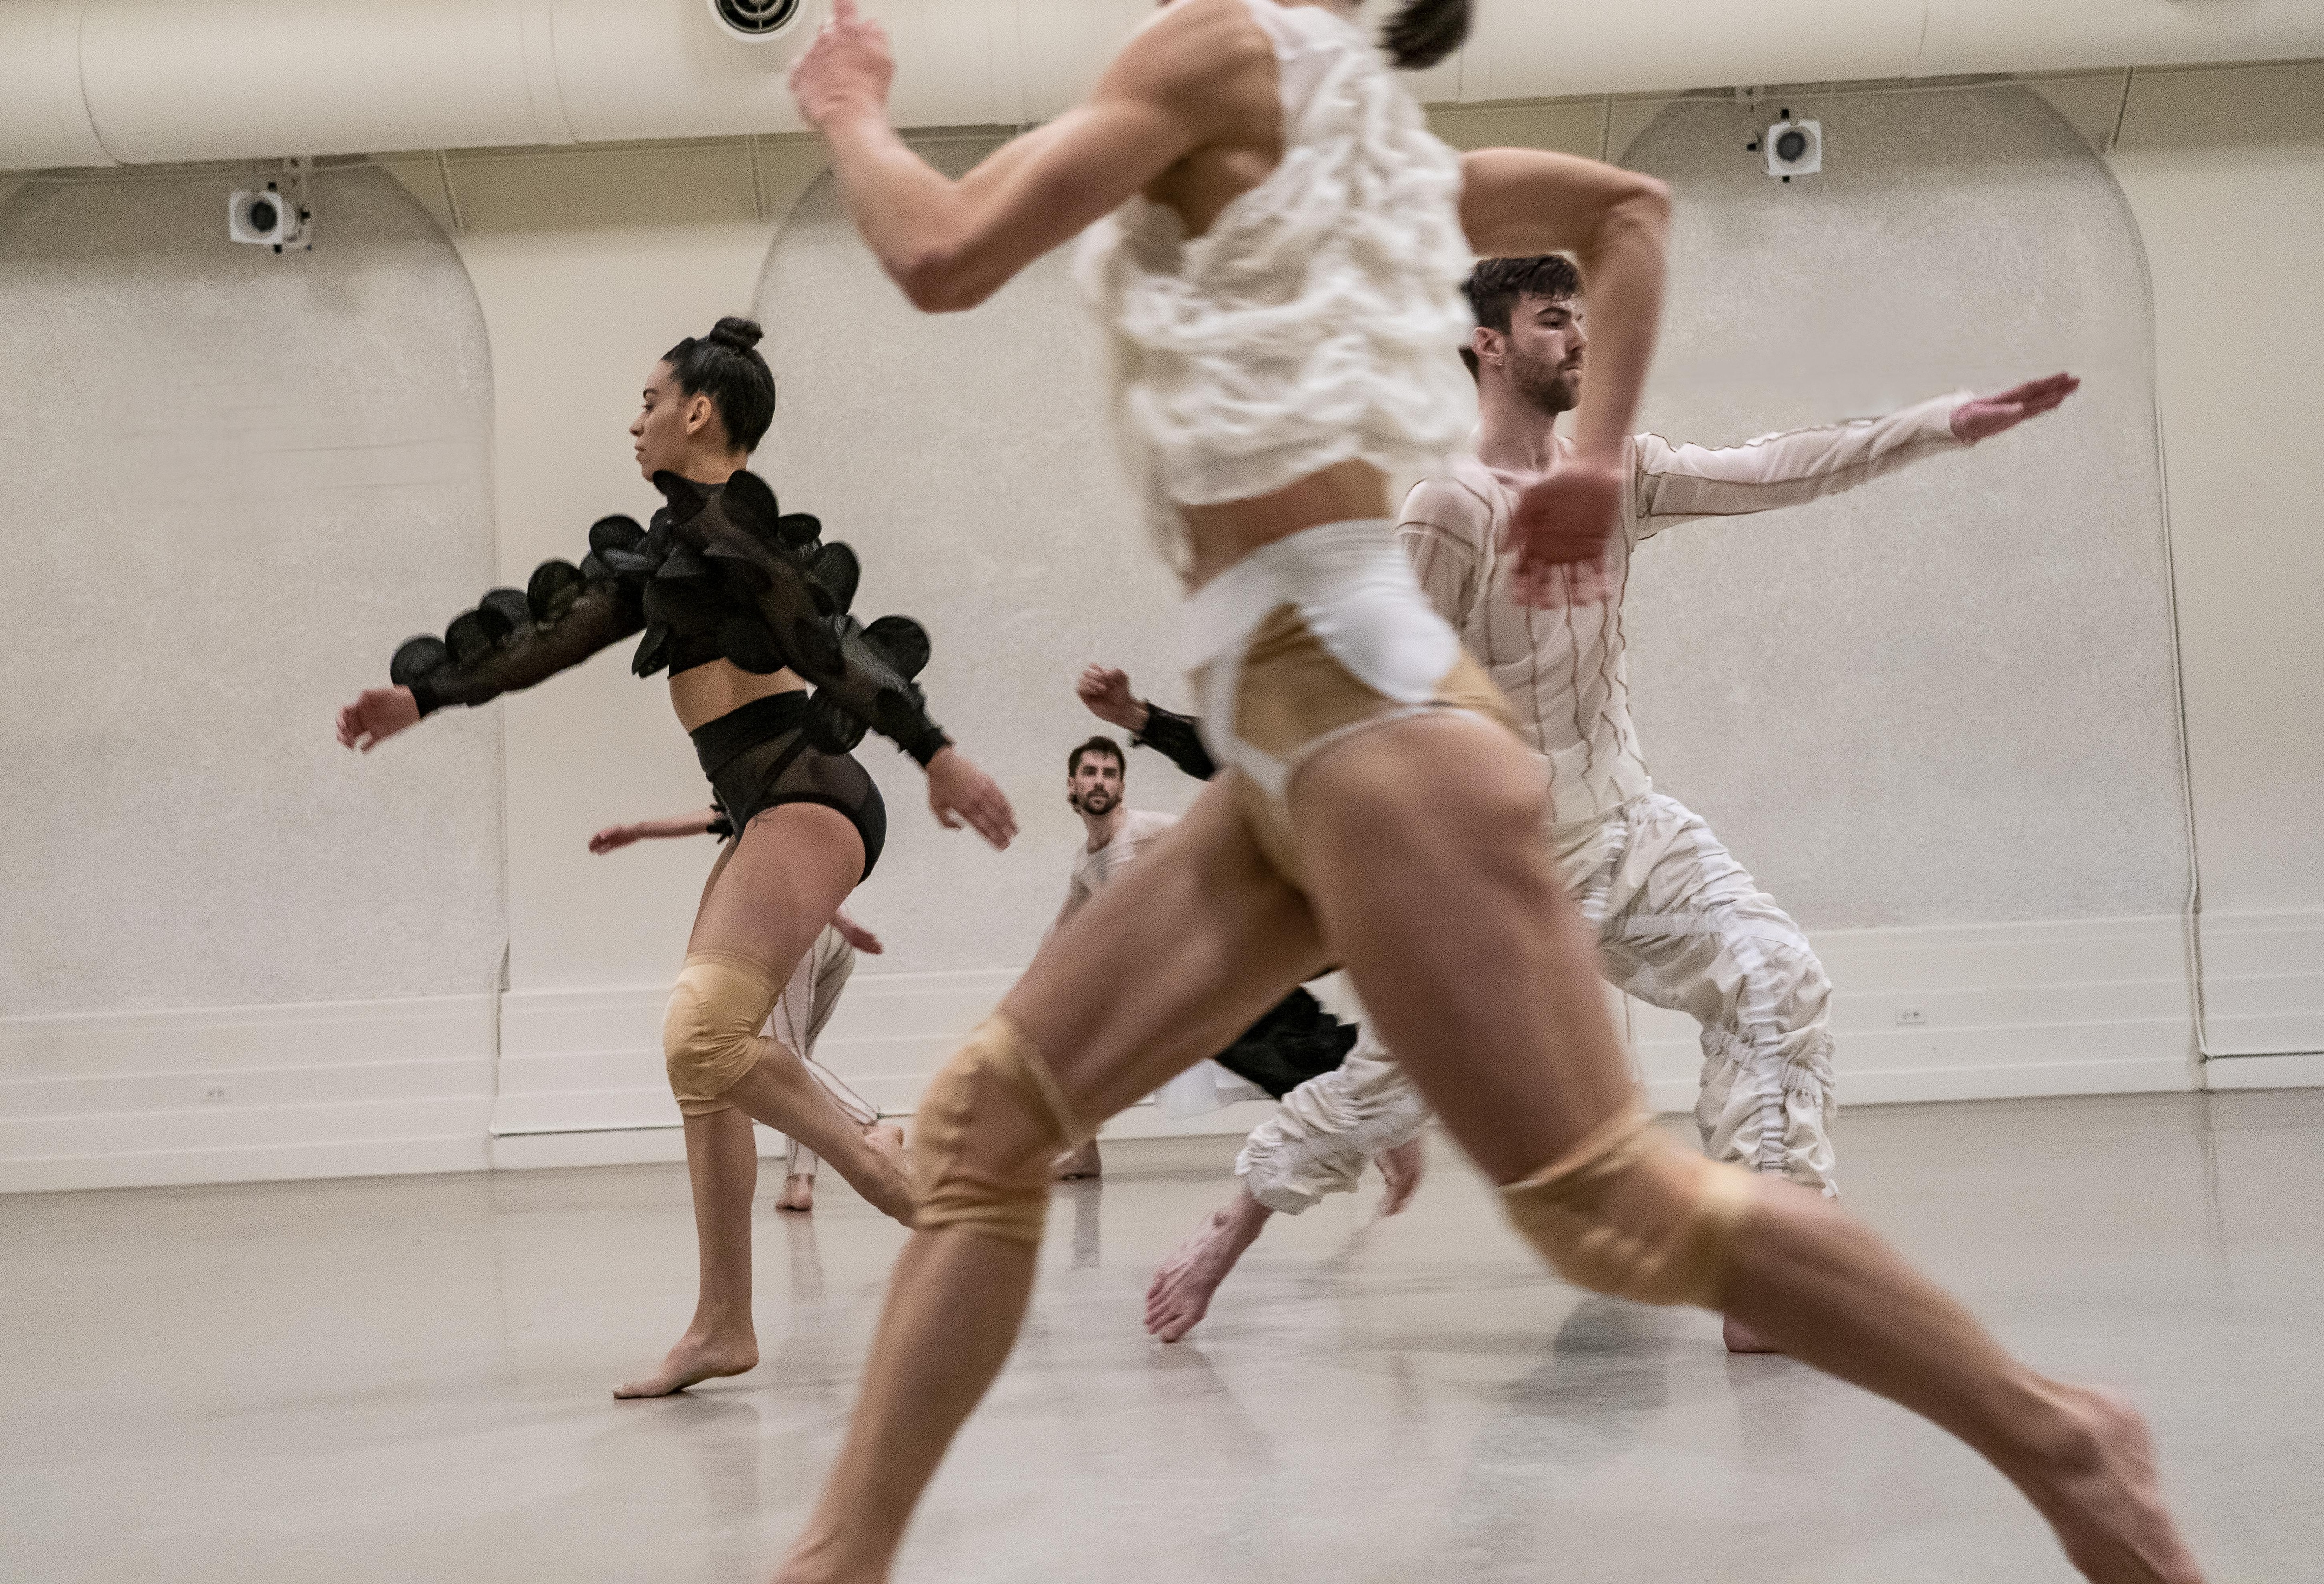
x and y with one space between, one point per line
128 82
755 19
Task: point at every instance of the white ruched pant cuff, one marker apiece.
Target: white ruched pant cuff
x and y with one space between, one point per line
1681 925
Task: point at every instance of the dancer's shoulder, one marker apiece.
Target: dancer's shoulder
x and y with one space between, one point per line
1458 499
1198 47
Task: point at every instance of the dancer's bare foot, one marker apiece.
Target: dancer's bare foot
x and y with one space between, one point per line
1742 1338
797 1194
2099 1490
1401 1167
1180 1294
1075 1164
698 1356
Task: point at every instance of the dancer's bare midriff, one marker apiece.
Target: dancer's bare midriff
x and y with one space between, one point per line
1218 536
702 693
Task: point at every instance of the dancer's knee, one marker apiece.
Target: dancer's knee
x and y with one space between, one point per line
1627 1212
987 1128
710 1028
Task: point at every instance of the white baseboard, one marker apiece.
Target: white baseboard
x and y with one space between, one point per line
650 1145
575 1061
2076 1006
2263 1072
582 1083
2081 1007
240 1094
2263 983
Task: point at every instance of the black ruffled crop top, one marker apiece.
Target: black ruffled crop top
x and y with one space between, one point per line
721 574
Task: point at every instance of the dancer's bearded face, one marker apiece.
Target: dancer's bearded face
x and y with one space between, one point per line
1544 358
1095 788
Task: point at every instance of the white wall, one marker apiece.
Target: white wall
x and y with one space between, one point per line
587 265
2225 172
1947 697
230 474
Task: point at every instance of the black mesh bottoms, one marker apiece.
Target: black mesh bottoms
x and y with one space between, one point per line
1297 1039
758 756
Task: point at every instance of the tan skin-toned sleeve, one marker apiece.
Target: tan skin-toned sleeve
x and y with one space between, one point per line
1446 533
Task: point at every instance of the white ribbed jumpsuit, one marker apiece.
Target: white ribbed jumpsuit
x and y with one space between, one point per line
1680 923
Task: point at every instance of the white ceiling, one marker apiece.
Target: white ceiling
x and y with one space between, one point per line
99 82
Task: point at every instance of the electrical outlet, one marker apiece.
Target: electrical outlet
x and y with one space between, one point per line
214 1094
1910 1016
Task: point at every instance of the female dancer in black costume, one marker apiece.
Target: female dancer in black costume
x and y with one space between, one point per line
746 607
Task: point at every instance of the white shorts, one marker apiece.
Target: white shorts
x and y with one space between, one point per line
1309 640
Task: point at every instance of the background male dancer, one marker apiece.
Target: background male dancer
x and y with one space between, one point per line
1296 1041
1106 690
1680 924
805 1004
1096 773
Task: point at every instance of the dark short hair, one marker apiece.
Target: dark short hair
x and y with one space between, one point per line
1101 744
1425 32
727 364
1494 286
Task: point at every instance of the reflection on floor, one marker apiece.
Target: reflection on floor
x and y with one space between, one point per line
407 1378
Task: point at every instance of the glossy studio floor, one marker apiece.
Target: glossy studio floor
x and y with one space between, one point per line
407 1378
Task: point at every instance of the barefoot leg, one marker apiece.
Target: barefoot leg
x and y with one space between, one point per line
1402 1168
781 1092
1435 897
1822 1288
1181 1292
722 1162
769 895
797 1193
1163 968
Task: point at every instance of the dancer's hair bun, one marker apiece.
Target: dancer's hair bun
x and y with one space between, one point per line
742 334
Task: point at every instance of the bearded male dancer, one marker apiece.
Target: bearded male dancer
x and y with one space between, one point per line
1278 286
1105 689
1681 925
1296 1041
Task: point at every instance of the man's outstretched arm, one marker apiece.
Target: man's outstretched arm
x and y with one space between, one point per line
1105 691
1677 482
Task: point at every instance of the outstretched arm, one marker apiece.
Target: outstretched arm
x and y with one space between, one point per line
614 836
1675 483
509 642
1516 202
1983 417
1106 690
951 244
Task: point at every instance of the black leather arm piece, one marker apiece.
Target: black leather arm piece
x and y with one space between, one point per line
1179 739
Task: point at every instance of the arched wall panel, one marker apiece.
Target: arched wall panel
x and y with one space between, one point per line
970 459
234 480
1947 695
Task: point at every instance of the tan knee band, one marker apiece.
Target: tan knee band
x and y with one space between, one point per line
986 1130
1631 1213
710 1030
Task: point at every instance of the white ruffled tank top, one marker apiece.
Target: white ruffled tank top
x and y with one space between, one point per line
1319 320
